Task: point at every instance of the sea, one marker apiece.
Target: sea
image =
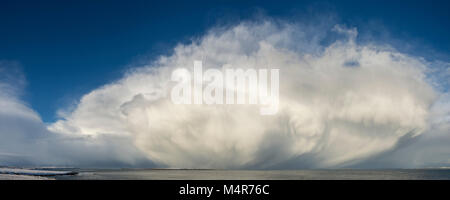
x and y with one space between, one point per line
326 174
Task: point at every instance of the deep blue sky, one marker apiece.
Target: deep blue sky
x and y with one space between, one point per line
68 48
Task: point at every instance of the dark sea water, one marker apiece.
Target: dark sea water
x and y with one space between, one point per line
342 174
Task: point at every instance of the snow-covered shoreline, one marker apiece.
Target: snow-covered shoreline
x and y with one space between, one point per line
7 173
22 177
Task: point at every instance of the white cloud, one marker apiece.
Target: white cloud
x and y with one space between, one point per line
339 104
25 139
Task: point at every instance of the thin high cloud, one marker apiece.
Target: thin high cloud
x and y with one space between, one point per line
341 104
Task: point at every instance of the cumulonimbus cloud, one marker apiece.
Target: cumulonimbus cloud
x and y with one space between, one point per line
340 102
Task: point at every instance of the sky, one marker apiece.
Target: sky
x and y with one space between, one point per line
83 83
69 48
